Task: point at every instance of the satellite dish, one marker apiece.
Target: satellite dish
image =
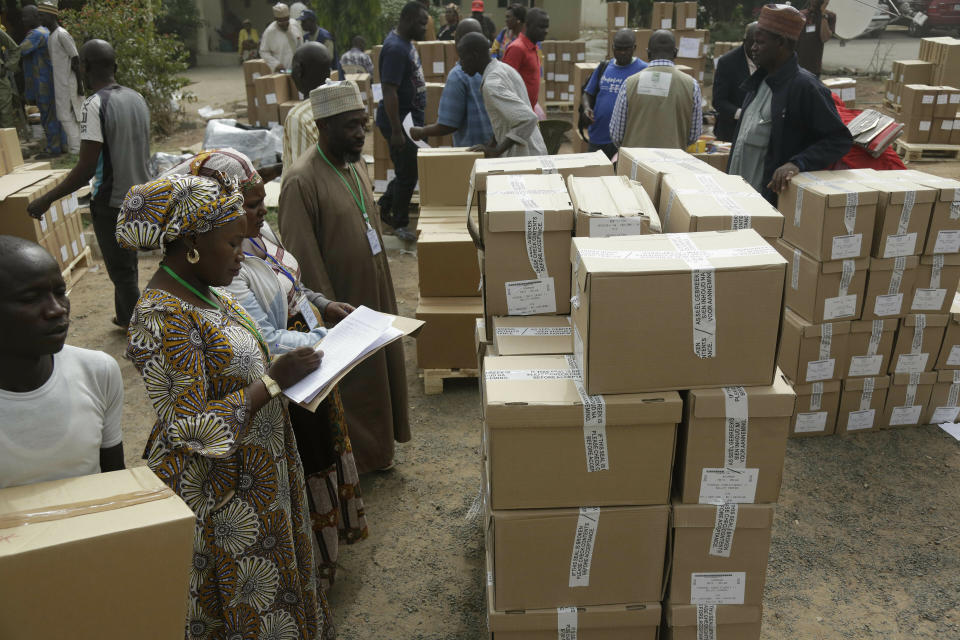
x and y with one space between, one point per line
853 16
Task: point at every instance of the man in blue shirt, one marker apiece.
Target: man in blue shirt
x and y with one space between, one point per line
601 92
404 92
461 111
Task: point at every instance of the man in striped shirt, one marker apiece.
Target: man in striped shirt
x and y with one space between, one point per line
310 69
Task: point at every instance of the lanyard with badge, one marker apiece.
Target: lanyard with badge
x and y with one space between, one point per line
372 236
303 305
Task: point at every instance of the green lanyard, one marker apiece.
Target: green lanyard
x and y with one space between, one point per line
247 324
360 201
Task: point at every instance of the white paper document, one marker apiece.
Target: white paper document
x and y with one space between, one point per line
359 334
407 125
952 428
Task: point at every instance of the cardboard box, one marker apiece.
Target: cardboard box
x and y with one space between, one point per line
812 352
944 405
949 357
685 15
446 341
11 155
445 175
512 245
537 454
647 281
611 206
450 57
90 562
284 110
869 347
862 403
275 89
823 291
253 69
538 553
743 463
890 283
252 116
62 236
662 17
532 335
816 411
549 49
918 130
907 399
617 14
943 235
941 130
912 71
17 191
483 346
937 278
691 45
375 58
843 88
447 262
948 101
918 101
648 166
433 60
268 115
827 217
704 202
918 343
731 622
719 160
724 564
955 136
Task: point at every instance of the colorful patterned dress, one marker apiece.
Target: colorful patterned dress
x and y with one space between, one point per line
254 575
38 85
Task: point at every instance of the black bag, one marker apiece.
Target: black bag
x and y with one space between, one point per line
582 121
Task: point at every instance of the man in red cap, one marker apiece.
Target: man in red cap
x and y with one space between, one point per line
489 29
789 123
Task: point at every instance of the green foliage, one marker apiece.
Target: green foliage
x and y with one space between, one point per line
348 18
179 18
148 62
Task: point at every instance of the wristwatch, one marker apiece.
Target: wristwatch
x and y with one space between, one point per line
272 387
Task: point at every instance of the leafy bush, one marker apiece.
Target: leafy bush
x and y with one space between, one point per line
182 19
348 18
148 62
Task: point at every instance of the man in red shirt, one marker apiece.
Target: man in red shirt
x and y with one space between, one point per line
522 53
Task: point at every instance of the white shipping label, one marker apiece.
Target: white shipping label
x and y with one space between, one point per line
691 23
654 83
43 223
865 366
567 623
54 213
954 358
551 57
846 246
859 420
927 99
64 255
706 622
925 125
530 374
943 98
736 411
565 57
666 23
583 540
905 415
948 241
945 414
928 299
438 67
848 93
581 56
820 369
271 98
722 486
839 307
718 588
812 422
911 363
721 542
902 244
539 332
620 21
946 125
888 305
74 248
689 48
530 297
377 90
608 226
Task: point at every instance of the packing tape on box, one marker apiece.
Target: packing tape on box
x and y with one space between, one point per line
795 270
798 206
741 218
742 252
816 396
721 542
538 332
896 278
826 340
954 393
736 425
846 276
566 623
59 512
955 205
917 343
911 396
936 270
876 334
703 295
909 199
949 412
850 212
706 622
594 423
582 555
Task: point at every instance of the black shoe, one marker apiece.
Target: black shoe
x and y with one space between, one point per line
119 324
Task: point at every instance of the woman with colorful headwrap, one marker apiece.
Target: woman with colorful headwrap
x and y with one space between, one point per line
222 439
290 315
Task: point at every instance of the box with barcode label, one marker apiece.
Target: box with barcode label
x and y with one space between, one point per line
617 13
919 339
949 352
275 89
943 235
685 15
612 206
812 352
719 553
715 621
823 291
662 16
704 202
869 347
704 306
532 335
550 444
889 289
936 282
433 60
549 558
816 412
907 399
861 404
732 443
944 405
648 166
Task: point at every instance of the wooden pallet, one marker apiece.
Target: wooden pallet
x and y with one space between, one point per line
79 266
559 105
433 378
920 152
891 106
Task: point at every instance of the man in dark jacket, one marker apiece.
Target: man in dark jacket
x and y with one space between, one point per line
733 69
789 123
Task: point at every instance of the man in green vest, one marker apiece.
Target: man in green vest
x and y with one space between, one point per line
659 107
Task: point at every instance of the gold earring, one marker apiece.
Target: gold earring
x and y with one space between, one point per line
193 256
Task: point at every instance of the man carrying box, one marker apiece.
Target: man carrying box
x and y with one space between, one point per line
62 406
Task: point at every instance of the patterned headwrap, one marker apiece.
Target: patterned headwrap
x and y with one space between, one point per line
230 162
156 213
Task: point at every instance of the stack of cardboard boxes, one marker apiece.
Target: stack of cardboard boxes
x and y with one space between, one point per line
843 88
873 271
925 93
437 57
559 59
252 70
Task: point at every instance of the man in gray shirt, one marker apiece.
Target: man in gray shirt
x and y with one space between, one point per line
115 151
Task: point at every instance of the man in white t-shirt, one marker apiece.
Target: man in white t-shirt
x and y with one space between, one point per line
60 406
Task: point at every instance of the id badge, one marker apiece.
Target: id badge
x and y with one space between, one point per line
307 312
374 240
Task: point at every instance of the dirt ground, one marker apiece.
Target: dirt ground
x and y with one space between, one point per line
866 542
